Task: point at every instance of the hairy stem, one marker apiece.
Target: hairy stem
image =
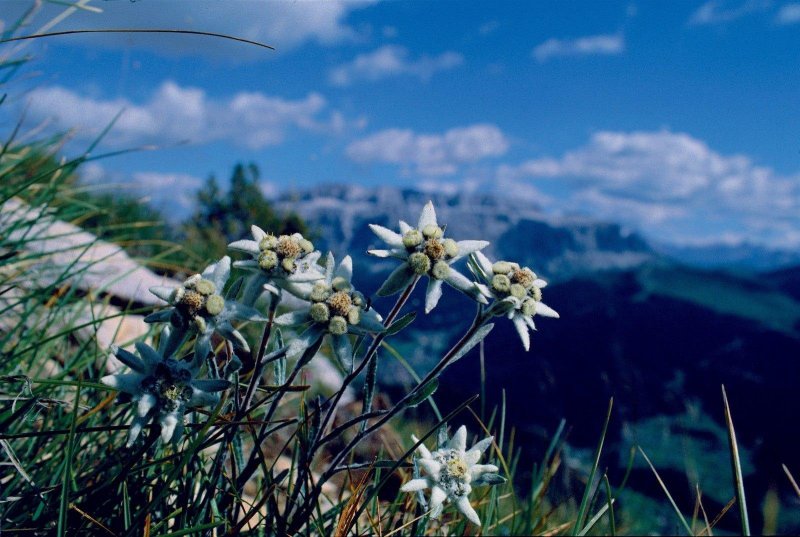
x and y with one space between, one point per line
305 511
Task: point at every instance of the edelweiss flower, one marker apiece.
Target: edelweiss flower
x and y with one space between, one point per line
278 262
199 305
452 471
337 309
517 292
426 252
162 388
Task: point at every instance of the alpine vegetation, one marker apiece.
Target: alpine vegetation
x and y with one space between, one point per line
228 429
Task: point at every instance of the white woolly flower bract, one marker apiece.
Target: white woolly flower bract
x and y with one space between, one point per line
337 309
517 293
199 305
451 472
284 262
162 389
426 252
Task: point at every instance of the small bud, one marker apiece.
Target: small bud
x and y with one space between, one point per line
358 298
267 260
205 287
191 281
502 267
177 295
200 324
306 245
529 307
337 326
288 265
268 243
354 315
341 284
320 313
536 293
441 270
412 239
501 283
450 247
419 263
215 304
320 292
517 290
432 232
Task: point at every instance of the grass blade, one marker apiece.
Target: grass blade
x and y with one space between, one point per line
737 467
669 496
587 492
64 506
791 479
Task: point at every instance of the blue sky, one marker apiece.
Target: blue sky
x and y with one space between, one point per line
678 119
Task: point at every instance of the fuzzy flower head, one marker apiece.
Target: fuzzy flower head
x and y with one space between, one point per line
451 471
162 389
336 308
517 292
425 251
282 261
199 305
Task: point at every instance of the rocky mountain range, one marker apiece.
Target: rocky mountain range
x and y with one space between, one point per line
557 248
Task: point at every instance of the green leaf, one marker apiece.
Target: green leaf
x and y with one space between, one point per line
481 333
401 323
423 393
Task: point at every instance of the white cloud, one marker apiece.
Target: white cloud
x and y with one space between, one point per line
175 114
667 182
788 14
389 61
607 44
171 192
430 154
720 12
284 24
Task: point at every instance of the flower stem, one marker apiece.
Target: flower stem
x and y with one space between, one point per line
480 319
369 357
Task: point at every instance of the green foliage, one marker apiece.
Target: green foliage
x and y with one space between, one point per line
222 217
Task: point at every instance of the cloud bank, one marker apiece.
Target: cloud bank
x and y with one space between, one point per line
671 183
430 154
176 114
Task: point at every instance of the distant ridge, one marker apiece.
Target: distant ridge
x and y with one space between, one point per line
557 248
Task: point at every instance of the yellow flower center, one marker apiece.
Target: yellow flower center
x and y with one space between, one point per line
457 467
340 303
